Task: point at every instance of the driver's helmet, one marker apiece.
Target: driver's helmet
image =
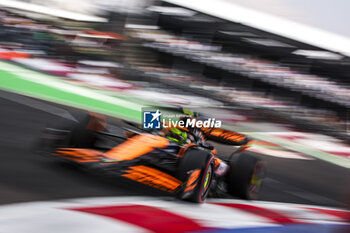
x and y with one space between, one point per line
190 113
177 135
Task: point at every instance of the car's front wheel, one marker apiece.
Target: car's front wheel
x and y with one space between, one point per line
196 167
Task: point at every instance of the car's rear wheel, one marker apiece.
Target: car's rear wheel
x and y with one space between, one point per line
202 162
245 175
79 134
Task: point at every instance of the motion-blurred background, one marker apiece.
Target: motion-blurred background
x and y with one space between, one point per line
165 52
277 71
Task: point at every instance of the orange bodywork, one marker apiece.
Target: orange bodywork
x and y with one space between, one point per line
137 146
153 177
226 135
128 150
217 162
192 180
80 155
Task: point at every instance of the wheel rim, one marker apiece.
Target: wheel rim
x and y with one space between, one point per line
207 181
256 180
207 177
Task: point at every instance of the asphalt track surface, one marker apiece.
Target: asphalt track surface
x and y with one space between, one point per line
26 176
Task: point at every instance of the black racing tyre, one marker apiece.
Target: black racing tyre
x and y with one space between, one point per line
244 177
79 134
197 159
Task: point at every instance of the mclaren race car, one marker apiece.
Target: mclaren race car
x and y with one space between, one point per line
191 170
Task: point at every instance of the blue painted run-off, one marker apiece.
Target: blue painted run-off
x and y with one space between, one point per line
299 228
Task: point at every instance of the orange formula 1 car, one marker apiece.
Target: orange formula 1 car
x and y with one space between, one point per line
191 171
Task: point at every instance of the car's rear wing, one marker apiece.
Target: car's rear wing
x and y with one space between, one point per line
225 136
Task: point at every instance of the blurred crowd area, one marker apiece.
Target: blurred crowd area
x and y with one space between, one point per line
144 55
